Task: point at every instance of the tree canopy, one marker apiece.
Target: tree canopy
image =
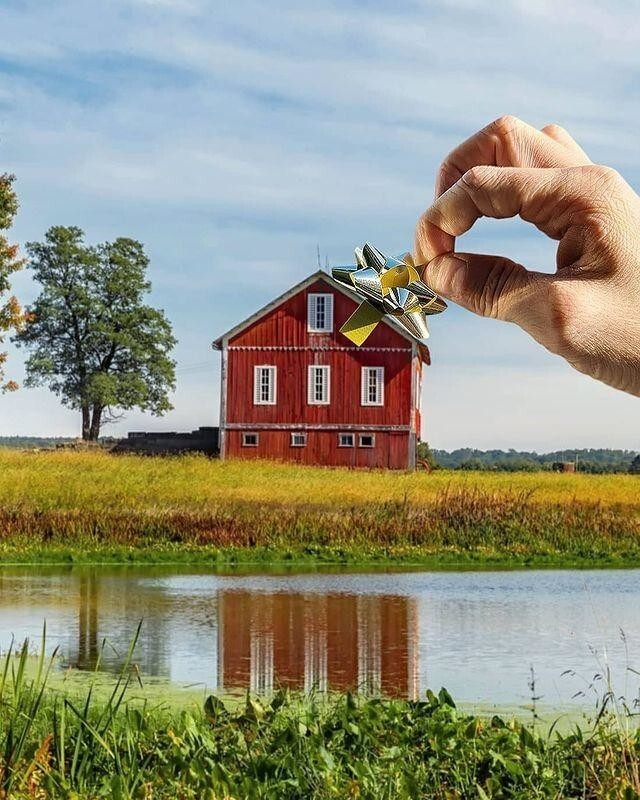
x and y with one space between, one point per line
93 340
587 460
10 312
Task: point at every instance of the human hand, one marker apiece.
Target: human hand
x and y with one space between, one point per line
588 312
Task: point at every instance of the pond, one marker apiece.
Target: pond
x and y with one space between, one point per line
480 634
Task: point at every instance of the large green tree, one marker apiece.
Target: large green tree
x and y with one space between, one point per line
10 313
93 340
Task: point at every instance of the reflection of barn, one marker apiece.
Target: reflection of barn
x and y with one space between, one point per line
334 642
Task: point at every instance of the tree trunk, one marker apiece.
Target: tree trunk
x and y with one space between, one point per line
86 423
96 419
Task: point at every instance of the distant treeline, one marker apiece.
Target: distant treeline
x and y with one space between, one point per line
32 442
596 461
588 460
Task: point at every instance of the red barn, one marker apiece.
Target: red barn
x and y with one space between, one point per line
294 388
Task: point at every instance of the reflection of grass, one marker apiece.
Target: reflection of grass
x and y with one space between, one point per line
93 506
89 742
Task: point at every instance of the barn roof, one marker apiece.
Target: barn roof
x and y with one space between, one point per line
318 275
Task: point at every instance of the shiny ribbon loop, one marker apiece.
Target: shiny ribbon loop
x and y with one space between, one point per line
388 286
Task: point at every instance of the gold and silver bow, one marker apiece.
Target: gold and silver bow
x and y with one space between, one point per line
387 286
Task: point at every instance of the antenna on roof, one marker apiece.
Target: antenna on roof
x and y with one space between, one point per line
318 254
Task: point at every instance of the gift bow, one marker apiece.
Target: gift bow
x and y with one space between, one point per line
388 286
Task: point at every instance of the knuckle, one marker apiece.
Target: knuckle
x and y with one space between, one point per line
554 130
605 203
430 235
498 289
605 178
506 125
421 224
601 226
448 173
426 223
478 177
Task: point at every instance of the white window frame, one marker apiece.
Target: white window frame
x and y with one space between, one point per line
371 436
295 434
312 312
311 384
272 385
245 434
353 440
365 386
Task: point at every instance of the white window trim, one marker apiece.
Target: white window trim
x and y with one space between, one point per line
250 433
368 446
311 312
311 383
364 386
298 444
257 376
353 439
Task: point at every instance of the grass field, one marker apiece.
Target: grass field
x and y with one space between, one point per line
60 506
68 480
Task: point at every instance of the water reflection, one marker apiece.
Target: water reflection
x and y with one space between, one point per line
88 648
398 633
317 642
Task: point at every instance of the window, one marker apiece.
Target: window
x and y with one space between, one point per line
318 385
366 440
319 313
264 386
250 439
298 440
345 440
372 388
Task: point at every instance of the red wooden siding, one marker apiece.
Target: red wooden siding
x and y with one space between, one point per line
391 449
345 378
340 640
287 324
280 339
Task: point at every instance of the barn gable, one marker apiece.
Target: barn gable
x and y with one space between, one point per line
283 321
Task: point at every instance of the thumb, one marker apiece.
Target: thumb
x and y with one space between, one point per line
491 286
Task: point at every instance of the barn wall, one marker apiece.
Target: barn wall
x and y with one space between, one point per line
291 401
391 448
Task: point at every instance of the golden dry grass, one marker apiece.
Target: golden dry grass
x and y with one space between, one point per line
72 480
71 506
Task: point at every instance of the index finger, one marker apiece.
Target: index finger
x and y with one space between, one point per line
544 197
506 142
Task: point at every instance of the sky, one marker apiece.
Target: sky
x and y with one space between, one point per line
233 139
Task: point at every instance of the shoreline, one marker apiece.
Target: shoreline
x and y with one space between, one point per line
285 561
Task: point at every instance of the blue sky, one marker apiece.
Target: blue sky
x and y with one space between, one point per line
232 138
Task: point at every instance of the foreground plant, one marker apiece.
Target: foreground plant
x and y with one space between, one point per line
61 745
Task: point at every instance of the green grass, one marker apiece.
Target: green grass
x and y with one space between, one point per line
115 743
94 507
